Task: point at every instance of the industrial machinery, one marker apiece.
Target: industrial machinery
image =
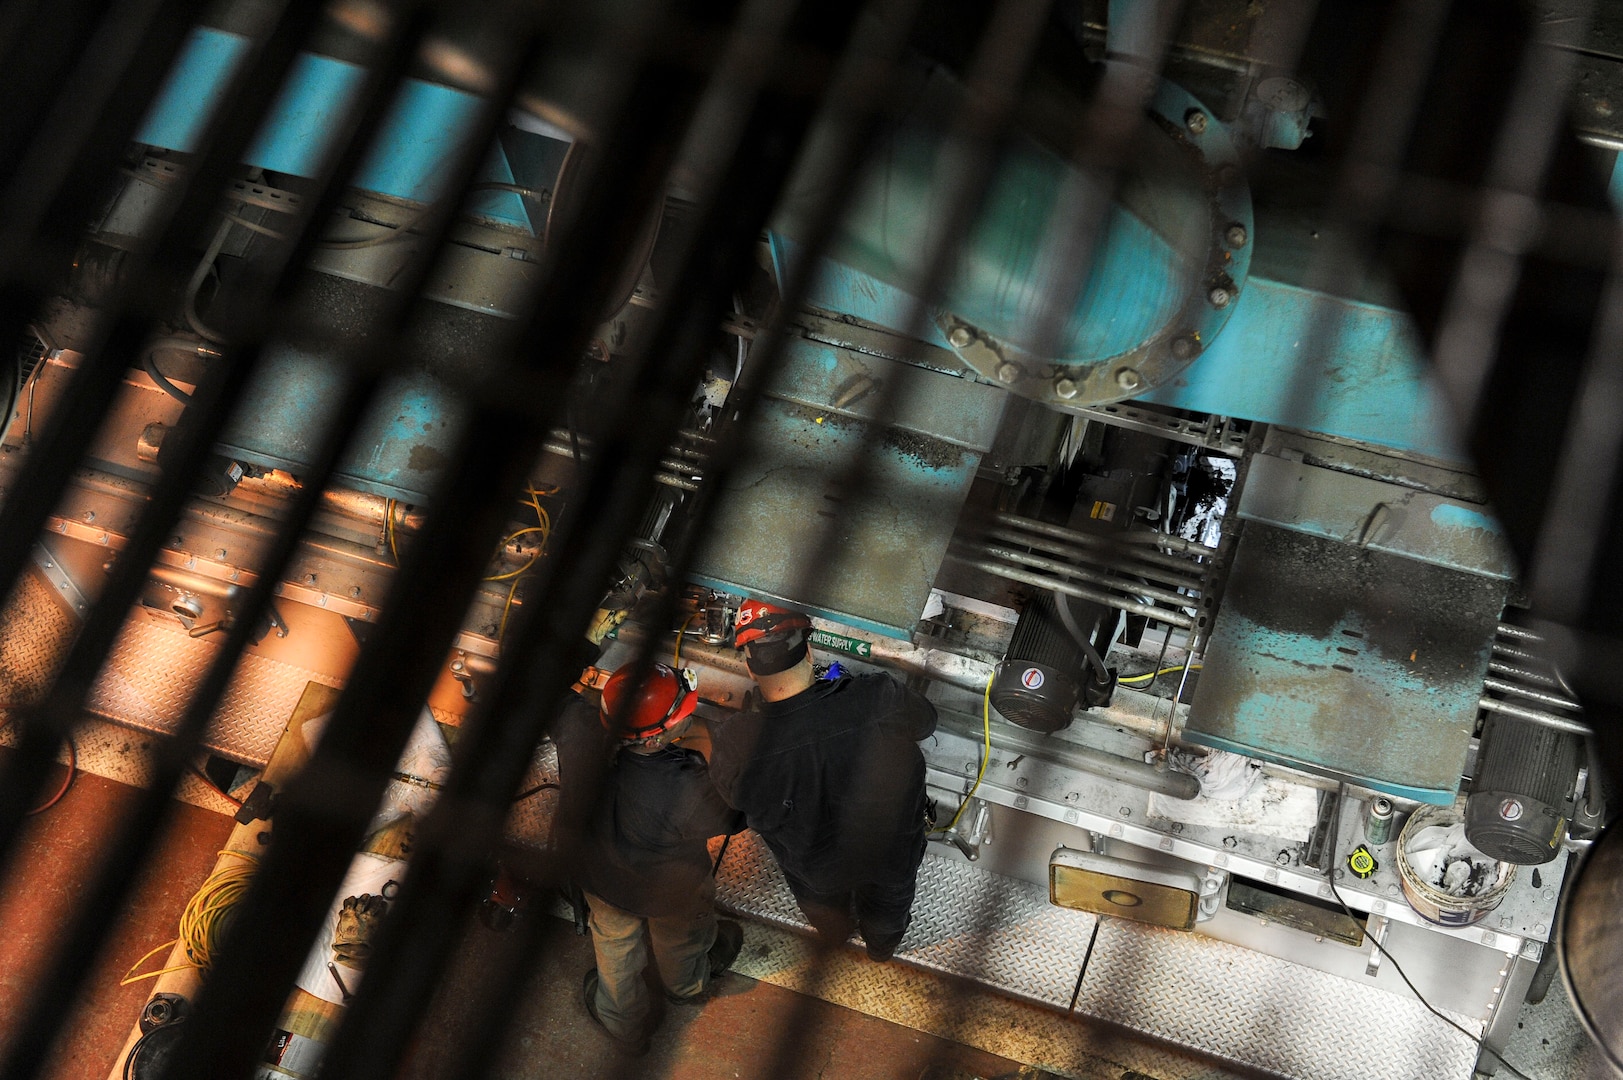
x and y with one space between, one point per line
1143 384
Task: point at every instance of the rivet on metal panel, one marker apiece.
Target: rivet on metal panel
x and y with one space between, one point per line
1549 894
1020 802
1070 817
1539 928
1490 938
1117 831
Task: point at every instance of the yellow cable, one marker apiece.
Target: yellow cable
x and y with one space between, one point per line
512 591
544 527
676 654
510 537
388 528
986 751
205 914
1150 676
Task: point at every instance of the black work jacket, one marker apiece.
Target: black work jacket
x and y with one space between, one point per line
635 826
831 778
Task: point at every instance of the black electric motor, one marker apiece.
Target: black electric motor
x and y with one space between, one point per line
1047 672
1521 796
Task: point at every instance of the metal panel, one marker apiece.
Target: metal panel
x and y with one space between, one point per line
1257 1010
409 151
399 452
1310 360
885 537
1347 661
1380 516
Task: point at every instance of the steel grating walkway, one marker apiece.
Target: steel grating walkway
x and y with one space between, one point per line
1195 992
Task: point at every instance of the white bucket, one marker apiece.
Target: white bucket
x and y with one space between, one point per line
1433 903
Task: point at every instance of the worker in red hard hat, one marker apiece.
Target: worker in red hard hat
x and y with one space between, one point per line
637 812
830 774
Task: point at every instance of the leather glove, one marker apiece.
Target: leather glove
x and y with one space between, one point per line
358 920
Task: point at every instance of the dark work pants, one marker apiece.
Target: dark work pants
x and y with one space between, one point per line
880 912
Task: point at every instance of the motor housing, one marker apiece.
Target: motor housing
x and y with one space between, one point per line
1521 796
1039 681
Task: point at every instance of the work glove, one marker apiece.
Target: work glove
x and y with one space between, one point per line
358 921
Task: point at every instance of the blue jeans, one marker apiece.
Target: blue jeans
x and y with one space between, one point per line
680 944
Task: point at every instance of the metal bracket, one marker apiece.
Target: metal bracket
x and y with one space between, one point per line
1376 929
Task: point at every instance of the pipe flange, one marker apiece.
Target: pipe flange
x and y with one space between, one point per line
1206 160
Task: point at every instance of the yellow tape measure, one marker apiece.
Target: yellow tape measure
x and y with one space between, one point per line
1361 862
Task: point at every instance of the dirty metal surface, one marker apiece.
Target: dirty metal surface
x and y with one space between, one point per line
1384 517
1246 1007
864 554
1346 661
35 631
153 670
1548 1042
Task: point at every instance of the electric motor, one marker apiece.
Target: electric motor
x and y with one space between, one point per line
1521 797
1038 683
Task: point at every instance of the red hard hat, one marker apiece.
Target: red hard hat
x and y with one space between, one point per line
665 699
758 619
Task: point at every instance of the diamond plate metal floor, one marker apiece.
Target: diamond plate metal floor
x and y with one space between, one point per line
1230 1003
1549 1043
992 929
153 669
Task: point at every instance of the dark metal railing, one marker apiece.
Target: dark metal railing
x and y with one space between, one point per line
766 71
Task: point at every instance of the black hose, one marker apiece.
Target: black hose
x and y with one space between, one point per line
149 364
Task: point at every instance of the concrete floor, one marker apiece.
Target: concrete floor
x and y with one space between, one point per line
58 849
551 1036
739 1034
